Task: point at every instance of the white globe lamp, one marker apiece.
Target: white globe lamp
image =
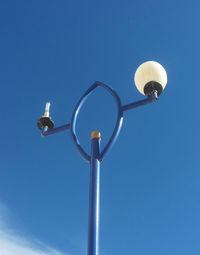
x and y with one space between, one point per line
150 77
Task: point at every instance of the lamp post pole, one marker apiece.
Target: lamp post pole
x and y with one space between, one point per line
94 201
150 79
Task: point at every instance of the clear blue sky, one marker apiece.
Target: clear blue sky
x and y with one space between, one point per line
150 181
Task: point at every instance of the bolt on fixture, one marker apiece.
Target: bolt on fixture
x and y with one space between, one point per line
150 80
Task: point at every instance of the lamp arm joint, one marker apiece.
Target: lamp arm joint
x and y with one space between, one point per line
51 131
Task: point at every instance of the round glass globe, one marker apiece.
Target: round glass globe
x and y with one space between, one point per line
150 71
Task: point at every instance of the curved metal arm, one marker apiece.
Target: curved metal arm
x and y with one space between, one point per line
117 125
120 109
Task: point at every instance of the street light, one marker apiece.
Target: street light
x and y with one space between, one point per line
150 76
150 79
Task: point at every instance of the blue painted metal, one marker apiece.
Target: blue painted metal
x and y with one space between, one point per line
138 103
120 109
96 155
93 228
52 131
117 125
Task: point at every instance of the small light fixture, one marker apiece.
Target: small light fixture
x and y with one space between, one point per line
150 77
45 120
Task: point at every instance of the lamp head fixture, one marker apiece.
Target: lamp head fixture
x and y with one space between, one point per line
45 120
150 77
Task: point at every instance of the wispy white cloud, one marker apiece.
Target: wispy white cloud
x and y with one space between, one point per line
12 243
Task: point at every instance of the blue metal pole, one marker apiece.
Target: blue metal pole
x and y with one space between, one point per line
93 231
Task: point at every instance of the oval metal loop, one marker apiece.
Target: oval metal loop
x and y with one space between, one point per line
117 127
